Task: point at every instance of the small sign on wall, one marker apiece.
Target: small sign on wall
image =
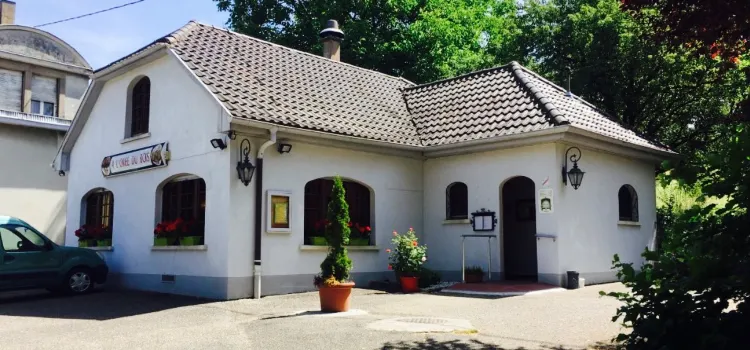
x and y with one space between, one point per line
154 156
278 218
546 204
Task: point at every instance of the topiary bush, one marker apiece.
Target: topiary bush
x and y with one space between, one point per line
336 266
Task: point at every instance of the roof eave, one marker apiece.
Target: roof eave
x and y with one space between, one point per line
576 134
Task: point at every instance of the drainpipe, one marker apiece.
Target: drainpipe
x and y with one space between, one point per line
259 211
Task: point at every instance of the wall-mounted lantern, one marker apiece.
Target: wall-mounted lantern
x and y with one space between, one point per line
245 168
575 174
483 220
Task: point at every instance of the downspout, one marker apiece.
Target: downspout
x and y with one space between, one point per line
259 212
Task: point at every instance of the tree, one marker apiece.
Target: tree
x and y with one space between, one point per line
664 93
420 40
337 263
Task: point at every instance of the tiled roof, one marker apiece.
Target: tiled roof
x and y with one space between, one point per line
265 82
271 83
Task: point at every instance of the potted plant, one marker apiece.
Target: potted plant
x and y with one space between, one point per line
103 236
187 233
165 233
360 235
320 228
84 237
473 274
406 260
333 283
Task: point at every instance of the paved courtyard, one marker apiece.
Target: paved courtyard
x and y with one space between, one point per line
128 320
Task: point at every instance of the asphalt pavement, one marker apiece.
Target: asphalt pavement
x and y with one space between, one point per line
576 319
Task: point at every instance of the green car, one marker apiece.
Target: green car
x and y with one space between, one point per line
28 259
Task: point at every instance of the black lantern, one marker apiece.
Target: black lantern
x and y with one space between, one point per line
575 174
245 168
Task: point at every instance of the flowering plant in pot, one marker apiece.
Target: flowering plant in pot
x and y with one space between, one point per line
473 274
333 283
406 259
360 234
103 236
167 232
320 229
85 236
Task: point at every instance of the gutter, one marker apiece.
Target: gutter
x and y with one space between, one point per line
259 212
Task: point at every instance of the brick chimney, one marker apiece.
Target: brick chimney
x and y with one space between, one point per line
7 12
331 38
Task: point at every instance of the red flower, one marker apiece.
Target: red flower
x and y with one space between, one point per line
387 250
414 243
349 224
367 228
390 267
735 60
361 229
395 233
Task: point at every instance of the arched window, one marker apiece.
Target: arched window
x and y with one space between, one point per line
183 212
317 196
457 201
628 203
139 107
98 209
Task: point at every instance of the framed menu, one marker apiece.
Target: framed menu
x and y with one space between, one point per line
279 211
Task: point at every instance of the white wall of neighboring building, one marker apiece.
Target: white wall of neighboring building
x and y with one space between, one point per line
589 231
185 115
29 188
484 174
396 197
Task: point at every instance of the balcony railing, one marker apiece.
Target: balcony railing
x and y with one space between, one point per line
38 120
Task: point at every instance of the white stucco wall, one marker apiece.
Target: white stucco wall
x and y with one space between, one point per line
484 173
589 230
183 114
396 190
29 188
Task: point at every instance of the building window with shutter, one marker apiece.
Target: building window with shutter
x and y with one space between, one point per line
140 101
43 95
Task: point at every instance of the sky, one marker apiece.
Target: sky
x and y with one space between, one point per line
105 37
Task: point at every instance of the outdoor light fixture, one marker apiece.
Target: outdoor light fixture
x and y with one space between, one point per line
218 143
576 174
245 168
232 134
61 173
284 148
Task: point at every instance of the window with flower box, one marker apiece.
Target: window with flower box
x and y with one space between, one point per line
98 209
183 213
317 196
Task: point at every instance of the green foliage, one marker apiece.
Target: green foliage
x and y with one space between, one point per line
474 270
337 263
694 293
428 277
407 256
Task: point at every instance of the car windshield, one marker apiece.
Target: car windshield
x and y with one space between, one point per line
18 238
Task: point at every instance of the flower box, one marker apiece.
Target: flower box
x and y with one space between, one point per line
191 240
318 241
359 241
104 242
163 241
84 243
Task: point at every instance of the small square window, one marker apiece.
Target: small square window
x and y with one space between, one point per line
36 107
49 109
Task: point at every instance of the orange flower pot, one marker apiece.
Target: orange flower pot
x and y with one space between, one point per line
409 284
335 298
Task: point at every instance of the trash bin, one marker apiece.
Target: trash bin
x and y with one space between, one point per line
573 280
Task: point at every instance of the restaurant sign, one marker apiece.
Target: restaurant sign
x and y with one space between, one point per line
154 156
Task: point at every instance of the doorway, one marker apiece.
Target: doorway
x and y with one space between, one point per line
519 229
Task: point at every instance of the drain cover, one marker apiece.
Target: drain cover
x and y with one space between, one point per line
424 320
422 325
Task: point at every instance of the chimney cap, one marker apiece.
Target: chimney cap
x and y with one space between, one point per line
332 30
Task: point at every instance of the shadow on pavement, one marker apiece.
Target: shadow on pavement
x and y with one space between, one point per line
473 344
100 305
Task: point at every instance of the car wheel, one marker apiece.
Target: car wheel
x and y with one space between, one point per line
78 281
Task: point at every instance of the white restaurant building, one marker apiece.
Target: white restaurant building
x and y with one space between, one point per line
161 132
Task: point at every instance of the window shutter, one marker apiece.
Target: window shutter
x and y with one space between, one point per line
11 90
44 89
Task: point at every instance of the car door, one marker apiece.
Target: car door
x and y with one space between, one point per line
27 259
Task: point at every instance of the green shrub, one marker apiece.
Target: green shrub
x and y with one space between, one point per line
475 270
336 266
407 256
